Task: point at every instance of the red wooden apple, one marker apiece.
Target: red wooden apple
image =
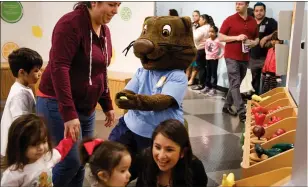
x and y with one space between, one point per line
274 136
258 131
280 132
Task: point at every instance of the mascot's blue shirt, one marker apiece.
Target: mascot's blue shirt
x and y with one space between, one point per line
145 82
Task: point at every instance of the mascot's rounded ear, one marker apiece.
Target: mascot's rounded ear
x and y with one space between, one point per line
187 22
147 18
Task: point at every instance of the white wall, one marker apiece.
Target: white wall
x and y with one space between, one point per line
124 32
46 14
34 13
219 11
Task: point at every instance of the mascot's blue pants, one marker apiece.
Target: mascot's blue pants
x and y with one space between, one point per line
134 143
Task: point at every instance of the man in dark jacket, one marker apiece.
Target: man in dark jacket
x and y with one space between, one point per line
266 26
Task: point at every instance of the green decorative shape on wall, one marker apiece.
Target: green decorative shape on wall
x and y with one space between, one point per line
126 13
11 11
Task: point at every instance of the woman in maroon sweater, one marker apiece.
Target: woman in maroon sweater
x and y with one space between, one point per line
75 79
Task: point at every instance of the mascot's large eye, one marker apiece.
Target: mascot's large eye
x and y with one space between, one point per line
144 29
166 30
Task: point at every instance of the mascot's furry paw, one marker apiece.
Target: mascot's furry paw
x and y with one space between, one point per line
126 100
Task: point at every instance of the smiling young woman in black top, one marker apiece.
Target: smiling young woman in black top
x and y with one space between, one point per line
169 162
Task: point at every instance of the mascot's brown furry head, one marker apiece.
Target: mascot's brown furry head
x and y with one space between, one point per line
166 43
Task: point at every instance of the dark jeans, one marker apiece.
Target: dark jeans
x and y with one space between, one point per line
236 73
69 172
201 66
269 81
211 72
256 66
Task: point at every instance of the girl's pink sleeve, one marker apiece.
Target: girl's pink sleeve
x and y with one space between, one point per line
65 146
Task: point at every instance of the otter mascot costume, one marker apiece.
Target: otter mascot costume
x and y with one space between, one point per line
156 92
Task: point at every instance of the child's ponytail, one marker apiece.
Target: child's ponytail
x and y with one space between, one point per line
211 21
208 19
87 148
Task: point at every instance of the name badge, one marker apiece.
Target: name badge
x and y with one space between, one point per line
161 81
262 28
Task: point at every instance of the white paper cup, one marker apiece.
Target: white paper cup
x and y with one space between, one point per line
245 47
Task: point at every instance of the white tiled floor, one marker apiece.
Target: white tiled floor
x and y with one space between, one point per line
199 127
203 106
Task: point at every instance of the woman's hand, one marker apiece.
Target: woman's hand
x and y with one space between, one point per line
110 116
72 128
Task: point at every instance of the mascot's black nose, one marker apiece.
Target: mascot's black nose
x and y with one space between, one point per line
143 46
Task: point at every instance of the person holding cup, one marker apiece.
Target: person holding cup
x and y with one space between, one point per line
240 32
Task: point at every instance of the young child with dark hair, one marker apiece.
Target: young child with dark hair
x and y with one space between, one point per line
25 65
29 155
192 71
173 12
270 79
214 50
108 162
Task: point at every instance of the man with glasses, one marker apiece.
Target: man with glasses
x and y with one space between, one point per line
266 26
240 32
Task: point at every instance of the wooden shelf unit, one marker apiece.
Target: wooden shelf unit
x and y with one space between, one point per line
288 112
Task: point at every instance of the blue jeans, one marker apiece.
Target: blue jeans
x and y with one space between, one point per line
69 172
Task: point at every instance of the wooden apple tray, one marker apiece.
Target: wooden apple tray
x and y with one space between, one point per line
283 103
276 94
284 159
274 91
287 124
276 177
284 113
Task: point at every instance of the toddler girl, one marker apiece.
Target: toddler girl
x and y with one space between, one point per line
108 163
214 50
270 79
29 154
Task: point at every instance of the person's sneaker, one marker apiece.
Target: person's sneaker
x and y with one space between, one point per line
197 87
229 110
205 90
211 93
